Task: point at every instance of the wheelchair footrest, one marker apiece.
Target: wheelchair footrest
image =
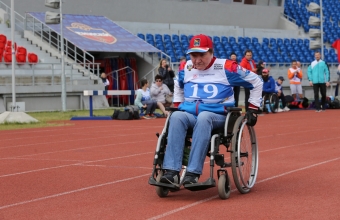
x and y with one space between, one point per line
210 182
172 187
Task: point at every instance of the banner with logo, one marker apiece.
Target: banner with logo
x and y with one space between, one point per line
97 33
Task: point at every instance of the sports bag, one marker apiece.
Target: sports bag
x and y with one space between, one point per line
122 115
134 110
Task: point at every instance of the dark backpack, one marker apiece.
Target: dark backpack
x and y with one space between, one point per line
134 110
122 115
335 104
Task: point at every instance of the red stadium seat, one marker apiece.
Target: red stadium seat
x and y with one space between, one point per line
3 38
9 44
7 57
21 54
32 58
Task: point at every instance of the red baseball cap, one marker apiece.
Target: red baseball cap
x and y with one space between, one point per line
200 43
265 71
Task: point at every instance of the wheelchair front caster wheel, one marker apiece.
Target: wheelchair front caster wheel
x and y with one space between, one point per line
224 186
161 191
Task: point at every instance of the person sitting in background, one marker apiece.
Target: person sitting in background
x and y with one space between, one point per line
268 85
281 96
158 93
143 100
105 81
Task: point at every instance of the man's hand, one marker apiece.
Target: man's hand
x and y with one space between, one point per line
251 117
328 84
310 83
251 114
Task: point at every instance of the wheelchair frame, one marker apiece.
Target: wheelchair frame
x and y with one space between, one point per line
244 173
273 102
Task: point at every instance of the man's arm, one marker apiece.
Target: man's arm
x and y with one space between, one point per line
238 76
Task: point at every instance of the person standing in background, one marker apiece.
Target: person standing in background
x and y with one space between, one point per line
318 76
167 74
105 81
249 64
233 57
295 77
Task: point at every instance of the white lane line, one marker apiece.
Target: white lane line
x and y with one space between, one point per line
261 181
75 164
108 166
43 169
71 140
70 192
81 148
102 132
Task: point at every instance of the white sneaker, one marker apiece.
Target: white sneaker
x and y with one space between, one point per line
279 110
286 109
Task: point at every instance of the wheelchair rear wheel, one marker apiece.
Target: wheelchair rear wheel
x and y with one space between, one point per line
273 102
161 191
244 156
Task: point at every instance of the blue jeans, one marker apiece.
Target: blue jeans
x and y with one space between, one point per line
202 126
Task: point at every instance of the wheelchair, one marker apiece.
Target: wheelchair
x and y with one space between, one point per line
270 103
240 141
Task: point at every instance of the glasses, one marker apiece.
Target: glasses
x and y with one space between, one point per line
158 80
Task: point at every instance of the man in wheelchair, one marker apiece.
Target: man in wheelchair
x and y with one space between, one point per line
269 92
208 92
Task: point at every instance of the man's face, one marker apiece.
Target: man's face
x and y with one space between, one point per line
201 60
279 81
249 55
233 57
317 56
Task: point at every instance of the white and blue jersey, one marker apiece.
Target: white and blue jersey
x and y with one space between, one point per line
212 89
145 94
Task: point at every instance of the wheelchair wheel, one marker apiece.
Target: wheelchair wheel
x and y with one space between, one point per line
273 102
244 156
161 191
224 186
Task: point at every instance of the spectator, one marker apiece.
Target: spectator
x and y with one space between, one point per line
268 86
143 100
167 74
207 83
260 66
158 92
298 64
105 81
233 57
248 63
318 76
338 81
182 63
281 96
295 77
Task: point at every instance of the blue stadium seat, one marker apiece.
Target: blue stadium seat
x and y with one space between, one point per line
141 36
175 37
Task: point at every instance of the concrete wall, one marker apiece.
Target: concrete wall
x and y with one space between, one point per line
167 11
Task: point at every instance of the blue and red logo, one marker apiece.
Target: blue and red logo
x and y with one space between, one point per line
88 32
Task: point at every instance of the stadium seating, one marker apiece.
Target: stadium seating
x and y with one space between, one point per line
297 9
276 51
32 58
21 54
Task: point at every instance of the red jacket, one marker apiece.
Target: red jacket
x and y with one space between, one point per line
245 64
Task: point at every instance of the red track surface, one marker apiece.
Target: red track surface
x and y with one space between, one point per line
100 170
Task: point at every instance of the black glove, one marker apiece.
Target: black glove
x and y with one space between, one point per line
251 117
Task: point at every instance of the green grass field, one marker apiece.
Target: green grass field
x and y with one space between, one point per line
56 118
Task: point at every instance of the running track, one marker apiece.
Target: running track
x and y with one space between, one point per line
100 170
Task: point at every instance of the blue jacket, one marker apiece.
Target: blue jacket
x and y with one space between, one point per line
318 72
269 86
